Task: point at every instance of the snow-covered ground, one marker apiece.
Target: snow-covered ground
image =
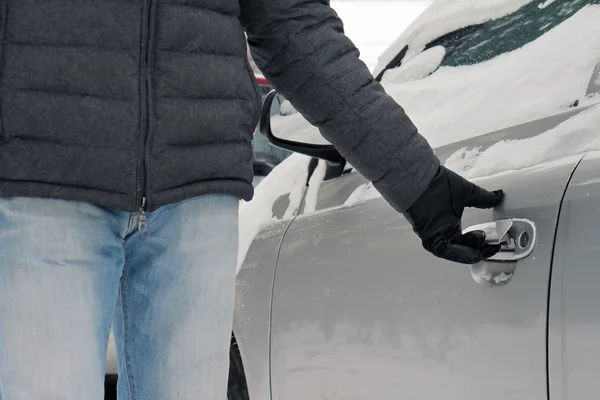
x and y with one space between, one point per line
541 78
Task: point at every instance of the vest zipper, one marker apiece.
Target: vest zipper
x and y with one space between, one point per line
143 223
145 93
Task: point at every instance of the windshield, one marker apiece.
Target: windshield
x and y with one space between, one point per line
484 42
527 65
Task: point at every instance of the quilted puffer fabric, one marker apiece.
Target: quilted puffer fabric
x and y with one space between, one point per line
126 102
110 101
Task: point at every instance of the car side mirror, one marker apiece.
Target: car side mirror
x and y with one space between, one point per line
284 127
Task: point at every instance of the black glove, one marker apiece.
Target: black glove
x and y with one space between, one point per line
436 216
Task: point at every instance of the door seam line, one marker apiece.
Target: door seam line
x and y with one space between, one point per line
270 353
552 257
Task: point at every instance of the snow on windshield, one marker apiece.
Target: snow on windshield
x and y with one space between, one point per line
418 67
539 79
442 17
456 103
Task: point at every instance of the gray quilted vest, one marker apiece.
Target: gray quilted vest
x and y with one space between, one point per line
124 103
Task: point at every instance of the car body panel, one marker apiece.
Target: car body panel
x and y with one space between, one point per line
539 189
253 308
252 315
342 188
361 311
574 320
349 315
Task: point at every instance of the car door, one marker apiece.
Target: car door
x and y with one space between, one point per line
574 349
361 311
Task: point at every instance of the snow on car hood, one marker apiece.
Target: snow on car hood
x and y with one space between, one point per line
539 79
573 137
576 135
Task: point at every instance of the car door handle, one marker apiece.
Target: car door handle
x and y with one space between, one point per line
517 239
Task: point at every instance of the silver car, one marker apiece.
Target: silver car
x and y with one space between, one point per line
336 299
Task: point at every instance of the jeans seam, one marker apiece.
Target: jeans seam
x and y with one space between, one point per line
130 225
125 357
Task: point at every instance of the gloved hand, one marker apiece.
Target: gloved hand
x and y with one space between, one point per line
436 216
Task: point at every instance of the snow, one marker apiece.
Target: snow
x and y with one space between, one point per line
372 26
445 16
288 177
310 204
286 108
545 4
590 99
457 103
502 277
574 136
289 124
362 193
416 68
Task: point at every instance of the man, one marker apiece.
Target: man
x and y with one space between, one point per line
125 148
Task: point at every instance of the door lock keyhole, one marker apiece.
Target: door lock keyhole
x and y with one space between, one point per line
524 240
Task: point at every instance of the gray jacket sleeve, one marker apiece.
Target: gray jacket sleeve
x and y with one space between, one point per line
301 48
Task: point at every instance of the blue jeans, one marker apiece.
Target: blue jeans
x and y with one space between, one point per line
68 270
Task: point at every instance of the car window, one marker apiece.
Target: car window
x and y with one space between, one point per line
483 42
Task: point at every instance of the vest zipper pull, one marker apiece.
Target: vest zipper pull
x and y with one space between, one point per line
143 224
